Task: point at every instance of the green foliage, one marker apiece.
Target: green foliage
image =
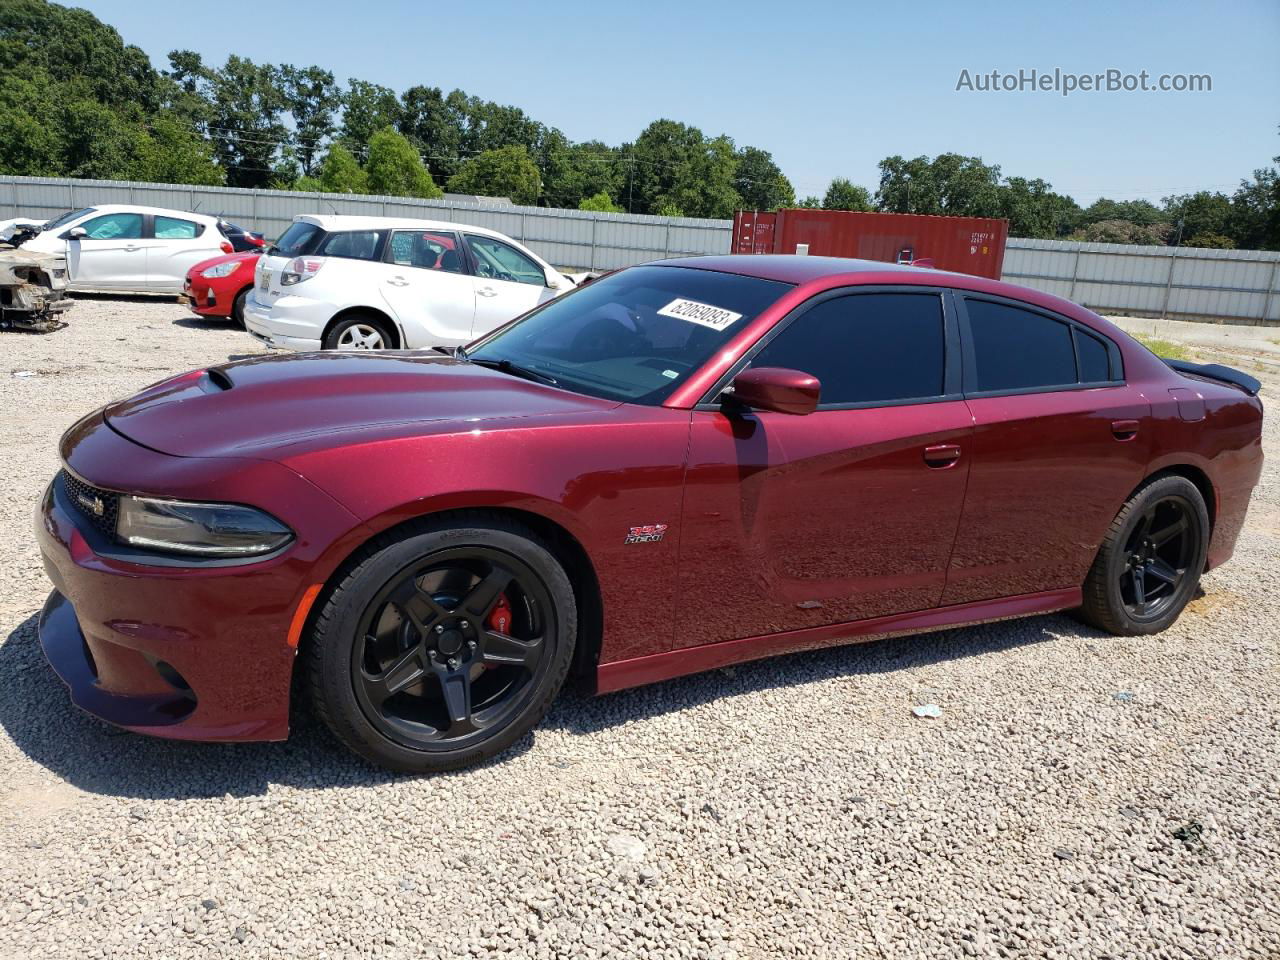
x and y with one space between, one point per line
810 203
845 195
435 124
1214 241
1125 231
947 185
1034 210
1163 348
366 109
312 97
600 203
395 169
1256 210
668 209
760 182
703 182
340 173
505 172
169 152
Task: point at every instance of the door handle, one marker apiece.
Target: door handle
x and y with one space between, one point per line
398 282
487 292
941 455
1124 430
132 249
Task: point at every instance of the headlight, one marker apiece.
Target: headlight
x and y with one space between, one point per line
221 270
207 529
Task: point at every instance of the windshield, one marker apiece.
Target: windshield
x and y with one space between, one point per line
632 336
298 240
68 217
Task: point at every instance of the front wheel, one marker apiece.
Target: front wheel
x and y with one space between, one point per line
237 307
444 646
1149 564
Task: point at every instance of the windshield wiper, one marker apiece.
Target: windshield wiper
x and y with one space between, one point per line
506 366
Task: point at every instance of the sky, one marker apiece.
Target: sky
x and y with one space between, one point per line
830 89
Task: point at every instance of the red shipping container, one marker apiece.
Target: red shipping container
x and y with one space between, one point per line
973 245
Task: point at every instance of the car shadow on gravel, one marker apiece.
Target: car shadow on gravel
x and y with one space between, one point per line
37 714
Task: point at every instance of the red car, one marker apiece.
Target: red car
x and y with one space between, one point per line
680 466
218 287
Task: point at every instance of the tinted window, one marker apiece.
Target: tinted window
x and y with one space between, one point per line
1095 363
500 262
298 240
114 226
428 249
870 347
171 228
354 245
1016 349
633 335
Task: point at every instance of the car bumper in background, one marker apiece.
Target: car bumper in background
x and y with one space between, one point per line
292 323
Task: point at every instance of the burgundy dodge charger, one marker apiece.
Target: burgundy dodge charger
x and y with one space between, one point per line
680 466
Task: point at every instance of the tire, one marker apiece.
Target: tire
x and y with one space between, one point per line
389 626
360 328
237 307
1139 554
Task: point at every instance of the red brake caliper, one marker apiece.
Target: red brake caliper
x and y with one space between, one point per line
500 617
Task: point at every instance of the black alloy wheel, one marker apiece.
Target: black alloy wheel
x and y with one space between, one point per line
1149 564
442 644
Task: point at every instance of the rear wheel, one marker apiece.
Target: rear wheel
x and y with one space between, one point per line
360 331
237 307
443 647
1149 565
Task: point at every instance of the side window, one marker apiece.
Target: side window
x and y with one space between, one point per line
114 226
866 348
496 260
1095 361
171 228
427 249
1016 349
353 245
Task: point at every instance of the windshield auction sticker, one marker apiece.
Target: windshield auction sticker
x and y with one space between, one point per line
703 314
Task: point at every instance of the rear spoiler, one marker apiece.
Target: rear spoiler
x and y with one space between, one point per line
1216 371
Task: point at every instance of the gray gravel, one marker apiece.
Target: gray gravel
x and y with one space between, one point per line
1078 795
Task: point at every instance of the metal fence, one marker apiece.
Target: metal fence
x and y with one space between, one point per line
571 239
1238 286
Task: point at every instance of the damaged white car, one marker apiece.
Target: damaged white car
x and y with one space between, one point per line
33 286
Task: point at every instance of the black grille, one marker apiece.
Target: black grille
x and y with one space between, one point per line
87 499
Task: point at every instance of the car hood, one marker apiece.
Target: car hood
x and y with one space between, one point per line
281 404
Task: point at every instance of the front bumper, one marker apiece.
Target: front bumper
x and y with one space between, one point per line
292 323
186 650
202 299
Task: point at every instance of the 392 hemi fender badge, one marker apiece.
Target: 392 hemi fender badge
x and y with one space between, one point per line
649 533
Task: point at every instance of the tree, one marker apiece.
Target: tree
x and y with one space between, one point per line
703 182
600 203
312 97
506 172
843 194
340 173
395 169
571 172
1256 210
948 185
1140 212
435 124
96 142
1202 214
366 109
760 182
245 101
170 152
654 159
810 203
1034 210
668 209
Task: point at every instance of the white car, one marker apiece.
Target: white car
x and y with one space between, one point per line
130 249
370 283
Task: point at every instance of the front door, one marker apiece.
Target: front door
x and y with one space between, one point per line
847 513
507 283
111 255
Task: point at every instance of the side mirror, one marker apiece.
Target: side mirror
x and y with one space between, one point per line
556 283
777 389
77 233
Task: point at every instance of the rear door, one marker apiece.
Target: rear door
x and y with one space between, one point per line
112 253
1060 440
507 282
850 512
425 283
175 246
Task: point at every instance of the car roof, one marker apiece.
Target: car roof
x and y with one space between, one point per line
101 208
336 221
801 270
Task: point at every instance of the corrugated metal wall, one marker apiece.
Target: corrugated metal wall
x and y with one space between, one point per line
566 238
1195 284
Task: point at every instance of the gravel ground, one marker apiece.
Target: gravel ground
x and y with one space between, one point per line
1079 796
